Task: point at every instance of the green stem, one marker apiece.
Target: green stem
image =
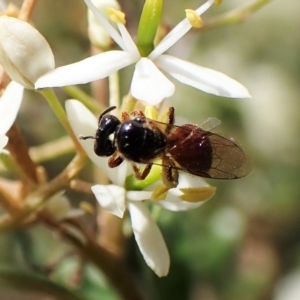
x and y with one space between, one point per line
39 154
61 115
78 94
10 165
51 150
235 16
114 89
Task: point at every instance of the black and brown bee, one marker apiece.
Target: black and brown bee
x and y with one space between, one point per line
189 148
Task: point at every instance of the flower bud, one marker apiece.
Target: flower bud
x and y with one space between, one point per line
10 102
24 53
98 35
58 206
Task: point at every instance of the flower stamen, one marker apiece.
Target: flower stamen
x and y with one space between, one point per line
194 19
159 193
150 112
197 194
116 15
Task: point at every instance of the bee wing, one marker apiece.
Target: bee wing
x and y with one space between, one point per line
229 160
206 154
210 124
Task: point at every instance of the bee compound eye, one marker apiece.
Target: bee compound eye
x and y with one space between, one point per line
104 146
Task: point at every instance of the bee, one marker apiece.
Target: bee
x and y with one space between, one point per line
189 148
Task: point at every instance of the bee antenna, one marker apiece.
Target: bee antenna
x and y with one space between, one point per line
85 137
106 111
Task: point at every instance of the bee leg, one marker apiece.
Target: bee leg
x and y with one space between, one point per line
169 173
169 179
167 116
115 160
141 175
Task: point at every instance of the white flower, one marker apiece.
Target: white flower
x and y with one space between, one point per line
148 84
116 199
10 103
97 33
24 53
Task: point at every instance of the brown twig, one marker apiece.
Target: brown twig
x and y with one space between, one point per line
26 9
115 269
81 186
10 193
37 198
19 151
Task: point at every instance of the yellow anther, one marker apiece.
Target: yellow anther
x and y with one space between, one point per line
159 193
218 2
150 112
116 15
197 194
164 115
193 18
87 207
11 11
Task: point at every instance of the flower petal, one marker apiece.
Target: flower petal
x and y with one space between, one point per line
84 122
9 105
138 195
3 141
149 84
173 201
24 52
201 78
129 44
98 34
114 34
87 70
177 32
149 239
111 198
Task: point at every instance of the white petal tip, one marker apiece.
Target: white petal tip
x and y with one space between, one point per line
149 84
238 91
161 273
149 239
111 198
207 80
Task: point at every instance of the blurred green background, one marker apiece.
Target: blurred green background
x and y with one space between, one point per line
245 242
